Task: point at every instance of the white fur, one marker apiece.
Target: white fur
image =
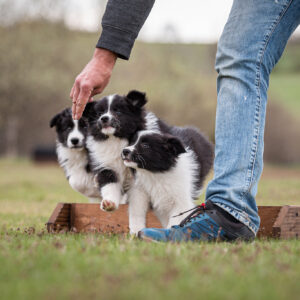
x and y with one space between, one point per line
112 192
106 154
74 162
140 134
152 122
169 193
109 130
75 133
130 164
110 99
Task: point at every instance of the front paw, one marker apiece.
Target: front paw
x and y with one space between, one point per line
135 230
107 205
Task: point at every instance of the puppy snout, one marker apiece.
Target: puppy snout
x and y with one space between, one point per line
74 141
125 153
104 119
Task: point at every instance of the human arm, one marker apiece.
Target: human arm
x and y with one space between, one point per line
121 24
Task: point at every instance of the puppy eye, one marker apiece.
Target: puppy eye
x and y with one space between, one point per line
145 145
117 111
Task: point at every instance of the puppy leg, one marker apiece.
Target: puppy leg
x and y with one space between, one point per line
163 217
110 190
138 207
124 199
177 209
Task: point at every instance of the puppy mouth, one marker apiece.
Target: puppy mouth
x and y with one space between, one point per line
130 163
106 126
127 160
108 129
78 147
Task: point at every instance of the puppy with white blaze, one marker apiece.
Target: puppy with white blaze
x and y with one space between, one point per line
113 121
72 154
170 166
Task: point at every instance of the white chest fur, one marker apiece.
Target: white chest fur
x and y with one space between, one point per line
169 193
170 186
74 162
107 154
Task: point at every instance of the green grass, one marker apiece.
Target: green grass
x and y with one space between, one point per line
38 265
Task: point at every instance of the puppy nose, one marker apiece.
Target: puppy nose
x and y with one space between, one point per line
126 152
74 141
104 119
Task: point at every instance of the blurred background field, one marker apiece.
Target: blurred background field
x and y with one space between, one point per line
39 60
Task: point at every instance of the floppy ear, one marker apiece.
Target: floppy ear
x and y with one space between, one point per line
55 120
136 98
89 109
174 145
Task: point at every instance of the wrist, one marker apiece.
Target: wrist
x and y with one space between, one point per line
105 56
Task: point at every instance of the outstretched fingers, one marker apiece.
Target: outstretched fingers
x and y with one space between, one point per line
83 96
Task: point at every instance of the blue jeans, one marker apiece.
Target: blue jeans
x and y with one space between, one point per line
252 42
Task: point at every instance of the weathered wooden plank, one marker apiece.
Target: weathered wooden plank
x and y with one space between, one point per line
276 221
288 222
60 218
268 216
86 218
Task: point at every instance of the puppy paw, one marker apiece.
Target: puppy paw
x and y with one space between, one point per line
132 236
134 231
107 205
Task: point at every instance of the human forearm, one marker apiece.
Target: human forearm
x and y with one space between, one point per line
121 24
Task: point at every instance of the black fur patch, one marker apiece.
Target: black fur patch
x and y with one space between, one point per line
201 146
156 152
63 123
88 168
105 177
126 115
159 152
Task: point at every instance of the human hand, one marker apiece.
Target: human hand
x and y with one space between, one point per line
92 80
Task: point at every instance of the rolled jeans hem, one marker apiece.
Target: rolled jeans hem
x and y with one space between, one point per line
239 216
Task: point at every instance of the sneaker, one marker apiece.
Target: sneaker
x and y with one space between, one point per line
206 222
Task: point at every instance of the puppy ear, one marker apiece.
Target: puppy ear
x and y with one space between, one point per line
55 120
136 98
174 145
89 109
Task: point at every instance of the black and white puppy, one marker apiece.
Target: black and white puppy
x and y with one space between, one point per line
170 166
72 155
113 121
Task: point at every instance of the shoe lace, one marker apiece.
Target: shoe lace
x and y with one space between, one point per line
199 209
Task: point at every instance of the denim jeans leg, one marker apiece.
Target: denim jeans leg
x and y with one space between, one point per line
252 42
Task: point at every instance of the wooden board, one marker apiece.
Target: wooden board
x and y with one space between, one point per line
268 216
90 218
276 221
60 218
287 225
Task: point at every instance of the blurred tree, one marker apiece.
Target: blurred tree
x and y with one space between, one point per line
32 56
